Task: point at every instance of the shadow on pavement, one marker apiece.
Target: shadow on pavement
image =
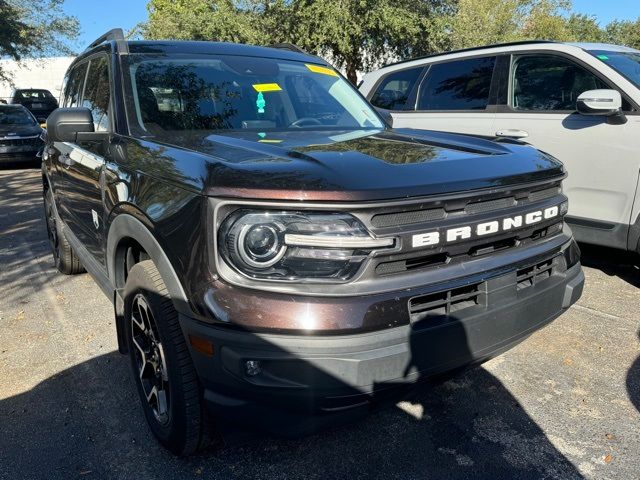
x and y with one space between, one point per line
86 422
23 235
615 263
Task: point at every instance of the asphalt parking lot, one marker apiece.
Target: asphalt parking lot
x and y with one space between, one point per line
564 404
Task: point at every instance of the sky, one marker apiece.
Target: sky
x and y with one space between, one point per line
98 16
607 10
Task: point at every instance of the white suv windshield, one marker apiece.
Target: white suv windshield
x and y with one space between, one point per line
232 93
625 63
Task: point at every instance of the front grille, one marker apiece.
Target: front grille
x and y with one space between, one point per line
487 206
421 217
539 195
442 305
407 218
430 259
19 142
535 274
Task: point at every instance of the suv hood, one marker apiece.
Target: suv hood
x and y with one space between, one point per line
359 165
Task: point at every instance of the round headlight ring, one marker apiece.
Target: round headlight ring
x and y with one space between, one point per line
272 255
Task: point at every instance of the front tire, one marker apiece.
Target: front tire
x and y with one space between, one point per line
165 377
64 257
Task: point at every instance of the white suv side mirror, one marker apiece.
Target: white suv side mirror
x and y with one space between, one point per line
606 103
599 102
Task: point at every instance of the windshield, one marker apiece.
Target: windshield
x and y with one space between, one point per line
230 93
15 116
626 63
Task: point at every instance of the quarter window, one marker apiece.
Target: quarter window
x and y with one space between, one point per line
457 85
96 93
394 90
549 83
73 87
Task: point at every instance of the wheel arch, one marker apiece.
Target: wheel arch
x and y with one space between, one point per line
124 230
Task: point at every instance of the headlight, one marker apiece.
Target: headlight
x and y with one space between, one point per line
293 246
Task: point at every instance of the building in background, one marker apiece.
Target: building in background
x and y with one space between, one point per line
47 73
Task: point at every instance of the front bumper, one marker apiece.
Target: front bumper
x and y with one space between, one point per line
306 382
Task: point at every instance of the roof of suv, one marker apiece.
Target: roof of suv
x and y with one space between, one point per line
210 48
581 45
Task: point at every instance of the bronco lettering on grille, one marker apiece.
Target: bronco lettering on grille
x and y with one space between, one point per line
485 228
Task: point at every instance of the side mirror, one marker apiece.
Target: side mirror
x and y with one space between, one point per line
607 103
64 124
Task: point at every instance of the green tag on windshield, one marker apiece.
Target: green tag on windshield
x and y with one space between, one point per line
261 103
603 57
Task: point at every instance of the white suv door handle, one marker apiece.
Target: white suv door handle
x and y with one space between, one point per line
512 133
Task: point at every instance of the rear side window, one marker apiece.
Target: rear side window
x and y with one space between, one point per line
394 90
96 93
549 83
73 87
457 85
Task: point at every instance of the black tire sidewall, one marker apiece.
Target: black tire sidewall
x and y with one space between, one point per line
173 433
48 209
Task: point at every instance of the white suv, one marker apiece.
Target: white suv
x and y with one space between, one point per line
578 102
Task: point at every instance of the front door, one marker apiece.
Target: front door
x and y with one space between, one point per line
85 169
601 158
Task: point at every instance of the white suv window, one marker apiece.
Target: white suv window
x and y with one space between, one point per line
393 91
457 85
549 83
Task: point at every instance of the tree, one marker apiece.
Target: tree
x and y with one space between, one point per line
585 28
485 22
34 28
355 34
623 33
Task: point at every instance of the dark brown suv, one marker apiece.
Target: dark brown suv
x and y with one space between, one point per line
276 252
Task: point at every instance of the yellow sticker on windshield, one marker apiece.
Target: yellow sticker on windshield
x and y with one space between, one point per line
265 140
266 87
324 70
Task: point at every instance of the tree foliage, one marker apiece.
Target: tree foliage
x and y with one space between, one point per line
355 34
623 33
34 28
358 35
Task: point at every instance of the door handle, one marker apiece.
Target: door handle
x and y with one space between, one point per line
512 133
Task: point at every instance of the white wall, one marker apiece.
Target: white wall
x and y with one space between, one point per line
45 73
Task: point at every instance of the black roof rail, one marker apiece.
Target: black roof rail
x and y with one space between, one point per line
289 46
116 34
471 49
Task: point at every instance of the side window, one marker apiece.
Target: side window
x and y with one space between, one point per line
394 90
549 83
457 85
96 93
73 86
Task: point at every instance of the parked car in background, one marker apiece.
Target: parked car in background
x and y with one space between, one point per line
20 136
578 102
40 102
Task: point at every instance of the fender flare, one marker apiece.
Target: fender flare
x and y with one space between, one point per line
125 225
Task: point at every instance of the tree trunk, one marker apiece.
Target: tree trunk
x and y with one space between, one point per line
352 72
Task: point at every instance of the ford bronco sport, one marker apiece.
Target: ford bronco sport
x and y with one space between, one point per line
276 253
